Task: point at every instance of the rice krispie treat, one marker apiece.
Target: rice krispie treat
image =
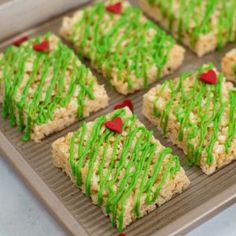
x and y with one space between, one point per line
122 44
229 65
119 164
45 87
197 112
201 25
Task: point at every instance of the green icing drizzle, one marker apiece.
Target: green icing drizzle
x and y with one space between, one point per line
48 95
125 46
122 176
195 18
234 69
198 99
232 118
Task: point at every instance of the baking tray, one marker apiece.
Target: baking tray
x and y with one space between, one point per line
206 196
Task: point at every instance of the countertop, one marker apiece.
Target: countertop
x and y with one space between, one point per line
22 214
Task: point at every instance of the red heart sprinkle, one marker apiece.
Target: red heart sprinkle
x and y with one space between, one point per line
115 8
127 103
210 77
18 42
42 47
115 125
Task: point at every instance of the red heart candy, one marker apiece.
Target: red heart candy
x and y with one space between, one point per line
210 77
127 103
115 8
122 234
42 47
18 42
115 125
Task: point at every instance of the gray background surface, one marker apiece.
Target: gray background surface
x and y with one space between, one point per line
18 15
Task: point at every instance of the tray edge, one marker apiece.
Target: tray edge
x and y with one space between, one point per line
39 188
198 215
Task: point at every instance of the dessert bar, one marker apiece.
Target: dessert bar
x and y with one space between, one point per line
228 65
203 26
45 87
120 165
197 112
127 48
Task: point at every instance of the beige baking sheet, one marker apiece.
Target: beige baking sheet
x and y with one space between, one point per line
205 197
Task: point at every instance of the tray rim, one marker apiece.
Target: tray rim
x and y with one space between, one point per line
40 188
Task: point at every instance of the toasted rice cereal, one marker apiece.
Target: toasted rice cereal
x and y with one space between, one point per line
45 91
127 174
228 65
203 26
199 118
127 48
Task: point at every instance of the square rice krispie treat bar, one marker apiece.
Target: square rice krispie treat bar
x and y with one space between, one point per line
228 65
201 25
197 112
119 164
45 87
122 44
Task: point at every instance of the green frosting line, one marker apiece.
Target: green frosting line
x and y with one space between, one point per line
139 54
195 18
57 63
133 164
232 123
190 101
234 69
